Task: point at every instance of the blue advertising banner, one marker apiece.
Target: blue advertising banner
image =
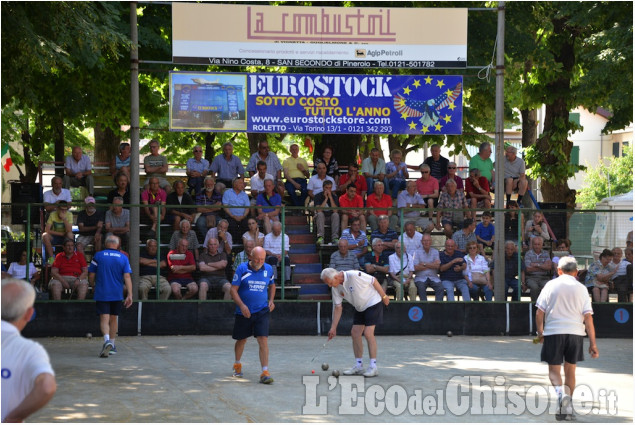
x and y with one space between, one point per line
318 104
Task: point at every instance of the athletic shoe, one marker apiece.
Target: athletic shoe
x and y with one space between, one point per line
238 370
319 240
50 260
355 370
265 378
335 241
566 409
105 350
371 371
113 350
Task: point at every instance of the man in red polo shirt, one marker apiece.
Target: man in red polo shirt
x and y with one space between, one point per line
353 178
352 200
69 271
181 265
378 199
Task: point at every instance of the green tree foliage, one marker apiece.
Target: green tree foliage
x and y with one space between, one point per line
616 176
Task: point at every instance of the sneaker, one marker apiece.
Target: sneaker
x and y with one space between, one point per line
238 370
50 261
335 241
113 350
355 370
319 240
265 378
566 409
371 371
105 349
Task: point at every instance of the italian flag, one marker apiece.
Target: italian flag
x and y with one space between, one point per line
6 162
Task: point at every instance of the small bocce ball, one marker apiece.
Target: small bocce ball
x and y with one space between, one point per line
325 366
449 333
336 373
89 335
312 371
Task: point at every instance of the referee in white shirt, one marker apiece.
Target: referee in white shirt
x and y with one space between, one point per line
366 295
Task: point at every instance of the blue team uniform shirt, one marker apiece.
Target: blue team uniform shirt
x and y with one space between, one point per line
485 233
110 266
253 286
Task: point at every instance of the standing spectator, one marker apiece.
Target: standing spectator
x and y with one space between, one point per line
253 289
17 270
396 174
401 271
208 203
515 177
273 164
69 271
28 380
536 227
243 256
56 194
212 264
277 246
316 182
485 232
122 189
483 162
451 268
154 196
454 203
373 169
452 169
411 239
513 232
379 204
410 199
477 273
181 264
356 239
352 200
267 202
343 259
428 188
537 268
465 235
599 275
353 178
109 272
58 226
324 201
148 271
564 311
196 170
438 164
227 166
185 210
118 221
427 264
332 168
366 295
376 262
511 271
79 171
221 233
156 166
296 173
120 164
185 232
386 234
253 234
477 191
90 222
236 217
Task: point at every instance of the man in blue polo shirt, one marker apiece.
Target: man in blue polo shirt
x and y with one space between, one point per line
111 269
253 289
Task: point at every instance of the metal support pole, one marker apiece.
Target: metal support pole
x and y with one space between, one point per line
133 240
499 216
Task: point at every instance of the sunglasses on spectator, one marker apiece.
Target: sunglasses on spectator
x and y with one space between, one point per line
451 168
197 150
425 172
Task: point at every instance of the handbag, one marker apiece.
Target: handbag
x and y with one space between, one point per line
479 278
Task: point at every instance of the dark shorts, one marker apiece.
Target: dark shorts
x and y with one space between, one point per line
373 315
257 325
555 348
214 281
182 281
436 201
108 307
58 240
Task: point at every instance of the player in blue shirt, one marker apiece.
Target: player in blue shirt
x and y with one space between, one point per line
253 289
111 270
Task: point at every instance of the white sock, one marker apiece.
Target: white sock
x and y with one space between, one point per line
264 368
559 391
359 362
106 337
113 341
373 362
